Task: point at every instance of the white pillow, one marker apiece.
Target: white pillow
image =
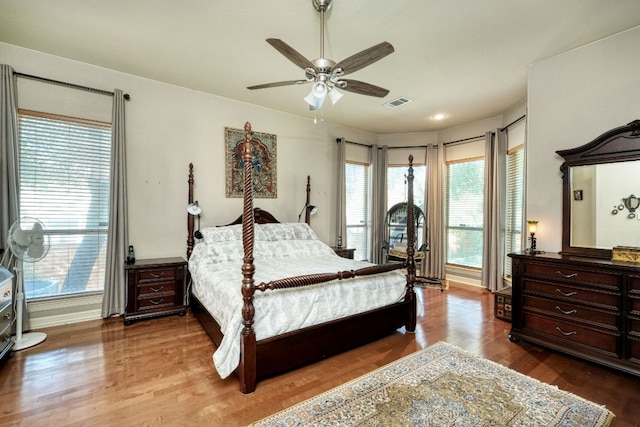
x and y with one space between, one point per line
288 231
228 233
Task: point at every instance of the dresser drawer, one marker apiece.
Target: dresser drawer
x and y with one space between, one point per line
573 312
572 293
574 274
6 315
5 293
634 283
573 333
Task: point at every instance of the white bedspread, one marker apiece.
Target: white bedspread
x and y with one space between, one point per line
215 267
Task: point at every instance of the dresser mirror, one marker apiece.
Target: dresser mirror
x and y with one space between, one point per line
601 193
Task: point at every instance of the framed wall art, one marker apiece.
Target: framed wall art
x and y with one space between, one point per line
265 174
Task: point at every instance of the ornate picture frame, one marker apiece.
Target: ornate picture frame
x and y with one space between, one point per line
265 172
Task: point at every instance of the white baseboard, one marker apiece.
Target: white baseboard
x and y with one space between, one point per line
63 311
464 280
64 319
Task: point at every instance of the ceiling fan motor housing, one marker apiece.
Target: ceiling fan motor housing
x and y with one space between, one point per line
321 5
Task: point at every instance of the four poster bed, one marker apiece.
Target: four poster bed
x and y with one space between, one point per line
273 297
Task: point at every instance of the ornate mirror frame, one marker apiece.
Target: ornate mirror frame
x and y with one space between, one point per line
621 144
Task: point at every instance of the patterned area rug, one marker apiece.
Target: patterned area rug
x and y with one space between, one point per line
443 385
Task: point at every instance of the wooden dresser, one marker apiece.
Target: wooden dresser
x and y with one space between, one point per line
155 287
585 307
6 313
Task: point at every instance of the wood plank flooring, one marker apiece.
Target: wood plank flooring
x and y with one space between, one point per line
160 371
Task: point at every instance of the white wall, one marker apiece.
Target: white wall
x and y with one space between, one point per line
572 99
168 126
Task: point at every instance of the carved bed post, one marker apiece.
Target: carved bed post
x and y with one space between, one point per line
411 263
247 367
189 216
307 215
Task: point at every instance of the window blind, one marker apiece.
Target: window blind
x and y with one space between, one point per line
515 195
64 182
464 206
358 216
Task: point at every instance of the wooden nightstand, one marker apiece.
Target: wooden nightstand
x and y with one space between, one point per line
155 287
343 252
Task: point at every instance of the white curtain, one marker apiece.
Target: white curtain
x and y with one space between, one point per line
9 168
118 234
494 211
434 206
379 161
341 214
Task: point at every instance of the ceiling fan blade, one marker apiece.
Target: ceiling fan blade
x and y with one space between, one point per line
291 54
363 88
278 84
364 58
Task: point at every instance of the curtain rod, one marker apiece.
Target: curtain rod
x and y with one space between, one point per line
354 143
473 138
514 122
73 85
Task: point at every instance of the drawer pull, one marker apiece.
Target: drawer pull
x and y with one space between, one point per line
157 289
566 312
570 294
156 276
567 276
6 317
565 333
156 302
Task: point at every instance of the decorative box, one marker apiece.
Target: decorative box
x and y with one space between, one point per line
626 253
502 306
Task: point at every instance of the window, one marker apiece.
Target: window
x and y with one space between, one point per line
513 217
397 192
64 182
464 206
358 216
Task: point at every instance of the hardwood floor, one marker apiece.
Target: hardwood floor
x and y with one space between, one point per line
160 372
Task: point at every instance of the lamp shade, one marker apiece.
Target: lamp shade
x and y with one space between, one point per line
316 95
194 208
312 209
335 95
533 226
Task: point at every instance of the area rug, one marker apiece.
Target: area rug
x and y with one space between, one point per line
443 385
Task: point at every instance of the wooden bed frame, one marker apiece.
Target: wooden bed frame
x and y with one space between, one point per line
267 357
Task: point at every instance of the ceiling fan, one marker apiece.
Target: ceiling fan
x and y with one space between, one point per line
325 74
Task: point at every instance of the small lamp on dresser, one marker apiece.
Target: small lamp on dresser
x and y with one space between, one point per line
533 228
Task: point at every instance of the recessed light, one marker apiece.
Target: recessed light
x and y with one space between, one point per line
438 116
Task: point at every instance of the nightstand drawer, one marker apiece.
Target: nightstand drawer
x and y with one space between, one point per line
156 287
155 301
168 273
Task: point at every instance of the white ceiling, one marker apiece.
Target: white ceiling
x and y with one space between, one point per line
467 59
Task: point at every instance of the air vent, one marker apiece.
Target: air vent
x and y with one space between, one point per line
397 102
